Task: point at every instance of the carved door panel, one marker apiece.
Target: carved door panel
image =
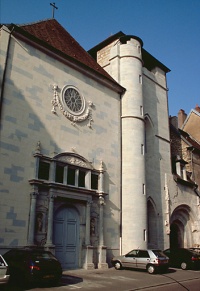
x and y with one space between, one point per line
66 237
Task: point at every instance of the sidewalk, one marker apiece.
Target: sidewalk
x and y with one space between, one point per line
85 272
86 279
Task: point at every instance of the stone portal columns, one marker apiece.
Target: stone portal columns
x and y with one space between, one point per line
101 248
89 249
49 242
31 230
87 226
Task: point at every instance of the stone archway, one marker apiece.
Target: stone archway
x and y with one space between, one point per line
180 227
152 225
176 234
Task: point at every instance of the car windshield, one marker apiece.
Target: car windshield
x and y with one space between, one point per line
2 261
158 253
132 253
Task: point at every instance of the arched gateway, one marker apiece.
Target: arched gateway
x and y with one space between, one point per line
180 227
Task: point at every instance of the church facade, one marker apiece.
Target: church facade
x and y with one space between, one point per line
85 145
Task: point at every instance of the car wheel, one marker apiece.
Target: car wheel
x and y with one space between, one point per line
183 265
117 265
151 269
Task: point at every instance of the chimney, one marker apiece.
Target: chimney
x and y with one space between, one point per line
174 121
197 108
181 117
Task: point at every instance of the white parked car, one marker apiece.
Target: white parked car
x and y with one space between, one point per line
4 272
151 260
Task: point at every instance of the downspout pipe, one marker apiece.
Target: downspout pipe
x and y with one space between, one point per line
5 69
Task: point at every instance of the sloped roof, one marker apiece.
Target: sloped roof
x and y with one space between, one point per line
52 35
188 138
189 115
191 124
192 142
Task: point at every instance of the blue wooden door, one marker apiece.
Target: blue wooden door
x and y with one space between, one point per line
66 237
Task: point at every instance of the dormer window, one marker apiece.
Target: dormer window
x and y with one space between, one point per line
180 168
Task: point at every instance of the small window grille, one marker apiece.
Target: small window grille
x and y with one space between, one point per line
43 172
59 173
81 178
71 176
94 181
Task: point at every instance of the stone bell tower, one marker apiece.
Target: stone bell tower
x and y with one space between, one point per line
126 68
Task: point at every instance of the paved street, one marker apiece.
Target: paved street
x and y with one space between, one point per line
123 280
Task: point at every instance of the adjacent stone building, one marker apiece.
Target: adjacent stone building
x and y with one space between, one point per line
85 147
184 193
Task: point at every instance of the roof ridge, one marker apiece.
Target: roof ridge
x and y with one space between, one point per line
50 32
35 22
195 111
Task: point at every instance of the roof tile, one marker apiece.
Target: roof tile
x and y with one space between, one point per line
51 32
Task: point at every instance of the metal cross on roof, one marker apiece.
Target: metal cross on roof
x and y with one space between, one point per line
54 7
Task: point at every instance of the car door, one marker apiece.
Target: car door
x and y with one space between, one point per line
143 259
129 260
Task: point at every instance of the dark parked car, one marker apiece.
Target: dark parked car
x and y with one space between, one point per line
4 271
33 265
195 249
150 260
183 258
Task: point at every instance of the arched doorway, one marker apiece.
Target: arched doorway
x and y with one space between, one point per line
180 227
66 237
176 234
152 225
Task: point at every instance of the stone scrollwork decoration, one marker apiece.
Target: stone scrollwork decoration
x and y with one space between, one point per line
71 112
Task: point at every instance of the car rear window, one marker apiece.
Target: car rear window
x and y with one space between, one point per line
158 253
41 255
193 252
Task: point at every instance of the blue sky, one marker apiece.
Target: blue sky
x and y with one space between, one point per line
170 30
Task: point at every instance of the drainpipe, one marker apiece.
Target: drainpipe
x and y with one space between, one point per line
120 224
5 69
192 165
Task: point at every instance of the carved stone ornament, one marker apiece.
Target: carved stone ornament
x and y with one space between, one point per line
75 161
72 105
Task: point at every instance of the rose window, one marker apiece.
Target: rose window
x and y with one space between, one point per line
73 100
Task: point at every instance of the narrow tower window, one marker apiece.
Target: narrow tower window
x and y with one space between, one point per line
143 189
141 110
145 234
140 79
142 149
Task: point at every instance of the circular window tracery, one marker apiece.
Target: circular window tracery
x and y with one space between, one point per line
73 100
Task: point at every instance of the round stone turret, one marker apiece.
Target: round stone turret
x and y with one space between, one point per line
126 68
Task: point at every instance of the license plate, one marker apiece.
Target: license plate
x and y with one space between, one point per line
48 276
